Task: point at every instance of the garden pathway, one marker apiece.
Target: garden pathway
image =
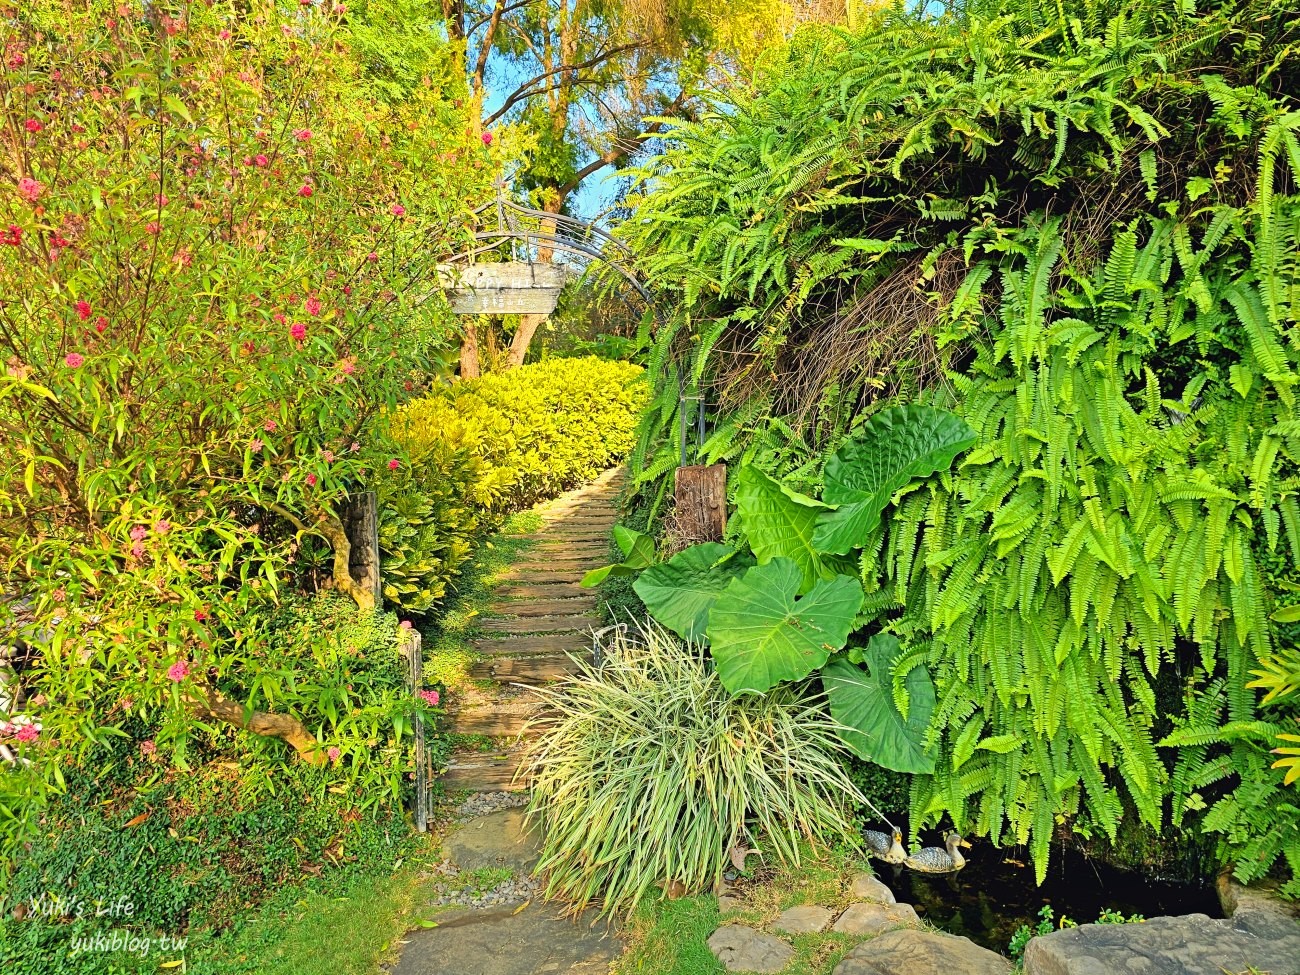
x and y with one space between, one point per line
539 617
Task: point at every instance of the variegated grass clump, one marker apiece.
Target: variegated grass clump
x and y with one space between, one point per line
651 772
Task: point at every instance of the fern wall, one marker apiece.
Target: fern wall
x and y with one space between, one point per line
1088 217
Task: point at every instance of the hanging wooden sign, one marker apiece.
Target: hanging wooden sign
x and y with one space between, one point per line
513 288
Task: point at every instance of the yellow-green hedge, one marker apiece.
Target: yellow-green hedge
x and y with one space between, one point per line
482 448
535 431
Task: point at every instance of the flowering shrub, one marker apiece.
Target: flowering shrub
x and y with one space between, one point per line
215 242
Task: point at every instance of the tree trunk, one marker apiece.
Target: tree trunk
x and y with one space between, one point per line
469 367
700 512
208 702
528 325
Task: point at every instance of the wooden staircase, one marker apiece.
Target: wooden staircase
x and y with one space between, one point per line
540 616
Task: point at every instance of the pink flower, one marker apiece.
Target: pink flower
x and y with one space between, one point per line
305 190
148 747
406 624
255 445
261 160
394 464
200 615
372 257
151 228
398 210
303 135
333 753
74 360
28 732
270 426
487 138
101 323
354 447
311 480
162 527
348 366
137 550
31 125
298 330
14 236
83 310
328 456
139 532
430 698
178 671
224 34
313 306
30 189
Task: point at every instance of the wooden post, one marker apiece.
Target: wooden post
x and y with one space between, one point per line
360 517
412 650
701 503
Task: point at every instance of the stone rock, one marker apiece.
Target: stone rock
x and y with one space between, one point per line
805 919
1190 945
864 887
495 840
1260 896
730 904
910 952
536 941
742 949
872 919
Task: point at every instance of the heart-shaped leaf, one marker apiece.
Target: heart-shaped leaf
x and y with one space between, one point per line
863 701
638 553
763 633
893 447
680 592
779 523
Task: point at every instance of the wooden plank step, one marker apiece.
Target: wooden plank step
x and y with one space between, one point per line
567 537
545 590
576 605
566 549
500 720
533 576
522 646
576 567
483 772
541 624
524 670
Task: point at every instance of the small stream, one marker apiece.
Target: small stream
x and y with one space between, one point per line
995 893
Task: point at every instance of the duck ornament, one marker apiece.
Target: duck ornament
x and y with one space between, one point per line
885 846
932 859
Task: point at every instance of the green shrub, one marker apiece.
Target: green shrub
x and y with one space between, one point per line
538 430
653 772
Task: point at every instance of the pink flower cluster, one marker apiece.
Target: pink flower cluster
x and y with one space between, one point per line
430 698
178 671
29 189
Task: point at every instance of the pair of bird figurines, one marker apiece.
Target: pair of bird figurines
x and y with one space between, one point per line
930 859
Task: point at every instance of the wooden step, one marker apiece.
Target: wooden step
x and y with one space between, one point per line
544 591
539 669
576 567
582 603
541 624
477 772
568 575
523 646
568 550
505 720
556 539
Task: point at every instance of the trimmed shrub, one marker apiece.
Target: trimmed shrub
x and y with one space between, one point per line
652 772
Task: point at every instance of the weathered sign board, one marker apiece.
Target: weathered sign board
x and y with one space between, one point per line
514 288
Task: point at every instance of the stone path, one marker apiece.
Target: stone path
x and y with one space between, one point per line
539 616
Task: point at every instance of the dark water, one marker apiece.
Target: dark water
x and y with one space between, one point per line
995 893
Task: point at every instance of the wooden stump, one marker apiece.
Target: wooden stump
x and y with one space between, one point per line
360 517
700 494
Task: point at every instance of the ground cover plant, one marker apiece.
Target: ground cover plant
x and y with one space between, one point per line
1074 229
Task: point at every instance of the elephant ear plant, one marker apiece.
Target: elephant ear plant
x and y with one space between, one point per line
788 604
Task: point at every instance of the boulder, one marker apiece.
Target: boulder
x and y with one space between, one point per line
805 919
742 949
912 952
864 887
1190 945
495 840
864 920
729 904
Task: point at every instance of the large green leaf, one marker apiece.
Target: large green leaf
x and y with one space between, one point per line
895 446
779 523
763 633
680 592
638 553
863 701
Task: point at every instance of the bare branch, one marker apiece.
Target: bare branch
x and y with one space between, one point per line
523 93
208 702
